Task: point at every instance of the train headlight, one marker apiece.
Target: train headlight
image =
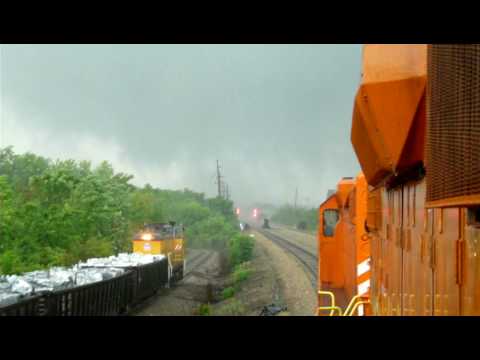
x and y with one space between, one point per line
147 237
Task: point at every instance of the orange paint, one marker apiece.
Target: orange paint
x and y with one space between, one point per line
326 240
341 252
387 106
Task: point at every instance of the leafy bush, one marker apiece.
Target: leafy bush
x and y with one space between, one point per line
213 232
241 273
204 310
241 249
10 260
228 293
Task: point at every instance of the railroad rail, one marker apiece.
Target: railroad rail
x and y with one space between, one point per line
306 241
310 263
196 261
294 229
193 263
308 260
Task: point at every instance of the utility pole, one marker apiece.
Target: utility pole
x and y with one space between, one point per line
227 192
296 197
295 205
219 180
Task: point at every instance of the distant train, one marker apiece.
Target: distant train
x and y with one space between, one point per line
266 224
253 215
403 237
163 239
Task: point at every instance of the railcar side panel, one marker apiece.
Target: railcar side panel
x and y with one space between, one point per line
469 252
446 233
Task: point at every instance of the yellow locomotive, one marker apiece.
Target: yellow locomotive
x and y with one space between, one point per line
163 239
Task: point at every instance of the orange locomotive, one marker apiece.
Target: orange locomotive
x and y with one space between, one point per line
343 244
416 133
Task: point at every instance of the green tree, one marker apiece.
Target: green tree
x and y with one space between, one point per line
288 215
60 212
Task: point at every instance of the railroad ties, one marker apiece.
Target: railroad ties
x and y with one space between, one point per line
308 260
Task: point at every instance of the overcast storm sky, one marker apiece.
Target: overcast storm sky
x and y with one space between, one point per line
275 116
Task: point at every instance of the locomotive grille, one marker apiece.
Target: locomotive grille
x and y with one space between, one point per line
453 123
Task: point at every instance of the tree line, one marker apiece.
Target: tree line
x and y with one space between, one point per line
56 213
299 217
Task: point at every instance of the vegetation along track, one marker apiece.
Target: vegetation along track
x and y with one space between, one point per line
306 258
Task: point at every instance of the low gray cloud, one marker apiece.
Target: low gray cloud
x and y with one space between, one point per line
276 116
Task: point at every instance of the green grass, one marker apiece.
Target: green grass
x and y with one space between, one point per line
233 308
241 272
205 310
228 293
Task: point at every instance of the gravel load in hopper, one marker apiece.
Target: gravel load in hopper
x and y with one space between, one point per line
121 260
14 288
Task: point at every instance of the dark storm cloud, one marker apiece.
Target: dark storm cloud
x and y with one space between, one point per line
276 116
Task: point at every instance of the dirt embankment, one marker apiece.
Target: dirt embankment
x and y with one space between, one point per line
295 289
260 289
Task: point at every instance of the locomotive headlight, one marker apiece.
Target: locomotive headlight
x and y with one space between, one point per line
147 237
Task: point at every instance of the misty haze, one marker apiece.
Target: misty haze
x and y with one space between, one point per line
152 180
277 117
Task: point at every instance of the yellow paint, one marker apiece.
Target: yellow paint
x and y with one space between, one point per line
147 247
162 247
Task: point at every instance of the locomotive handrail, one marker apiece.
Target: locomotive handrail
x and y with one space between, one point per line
357 304
354 303
170 268
332 306
351 304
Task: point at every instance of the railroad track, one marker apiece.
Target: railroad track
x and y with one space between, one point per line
301 239
196 261
306 258
193 264
293 229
